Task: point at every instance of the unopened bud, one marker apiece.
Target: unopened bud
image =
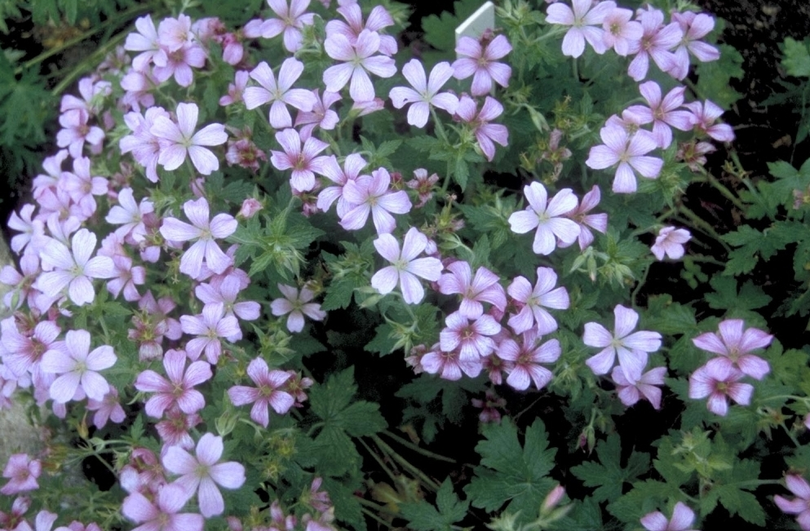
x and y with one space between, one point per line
250 206
552 499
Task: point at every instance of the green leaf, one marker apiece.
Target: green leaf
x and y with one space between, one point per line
608 475
726 297
440 30
797 58
423 516
384 341
511 473
714 78
645 497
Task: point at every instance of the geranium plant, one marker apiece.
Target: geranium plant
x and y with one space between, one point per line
296 274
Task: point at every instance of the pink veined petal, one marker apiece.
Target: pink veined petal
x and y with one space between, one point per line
385 280
94 385
64 387
601 157
602 362
137 508
361 88
428 268
209 498
336 77
412 291
625 320
718 404
741 392
624 182
655 521
682 517
596 335
523 221
643 340
544 240
798 486
230 475
203 159
241 395
388 247
648 167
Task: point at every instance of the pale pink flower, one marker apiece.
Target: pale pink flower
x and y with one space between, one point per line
734 347
526 359
484 287
799 505
583 19
144 145
209 327
448 365
291 20
129 214
358 59
24 351
76 131
662 113
703 117
301 159
629 152
320 116
179 63
694 26
547 217
425 91
631 392
146 41
480 61
485 132
107 409
180 140
225 291
73 268
533 302
204 232
202 474
174 428
632 348
28 227
164 513
268 392
297 305
53 172
423 184
584 220
352 167
22 472
236 90
405 267
719 380
372 195
682 518
78 367
178 390
21 283
378 19
655 42
279 93
620 31
474 339
175 33
670 242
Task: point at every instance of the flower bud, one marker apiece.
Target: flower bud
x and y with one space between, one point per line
250 206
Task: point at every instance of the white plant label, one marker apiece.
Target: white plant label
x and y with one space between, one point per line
477 23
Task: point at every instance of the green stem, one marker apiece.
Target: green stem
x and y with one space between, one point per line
724 191
87 64
404 462
379 461
790 434
427 453
640 283
385 525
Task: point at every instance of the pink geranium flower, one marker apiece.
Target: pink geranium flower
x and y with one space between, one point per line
203 472
425 91
22 352
582 18
703 117
484 287
145 146
662 112
719 380
146 41
209 327
646 386
670 242
358 59
525 360
180 140
291 20
480 61
129 214
162 514
279 93
448 365
371 195
533 302
78 367
378 19
107 409
302 160
73 268
485 132
629 152
547 217
620 32
352 167
297 305
474 339
76 131
588 221
178 390
682 518
656 42
694 26
632 348
267 393
204 232
22 473
320 116
405 267
799 505
734 347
